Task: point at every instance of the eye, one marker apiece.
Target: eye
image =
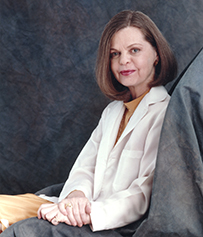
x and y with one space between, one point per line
114 54
135 50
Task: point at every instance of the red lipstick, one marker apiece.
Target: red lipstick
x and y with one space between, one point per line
126 72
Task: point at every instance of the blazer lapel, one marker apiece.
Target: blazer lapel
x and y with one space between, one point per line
113 126
155 94
134 120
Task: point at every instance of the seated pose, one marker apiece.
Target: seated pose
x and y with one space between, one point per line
110 183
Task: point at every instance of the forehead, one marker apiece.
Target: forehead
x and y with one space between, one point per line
128 35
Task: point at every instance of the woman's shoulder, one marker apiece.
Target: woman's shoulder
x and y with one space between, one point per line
115 103
113 106
158 94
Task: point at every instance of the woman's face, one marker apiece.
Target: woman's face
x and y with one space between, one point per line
132 60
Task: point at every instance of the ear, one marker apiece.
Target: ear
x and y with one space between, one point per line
156 61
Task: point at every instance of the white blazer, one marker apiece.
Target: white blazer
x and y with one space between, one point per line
118 179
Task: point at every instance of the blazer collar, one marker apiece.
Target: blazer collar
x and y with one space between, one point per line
156 94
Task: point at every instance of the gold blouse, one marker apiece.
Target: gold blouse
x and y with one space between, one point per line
130 107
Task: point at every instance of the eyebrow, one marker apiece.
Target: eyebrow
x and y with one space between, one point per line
129 46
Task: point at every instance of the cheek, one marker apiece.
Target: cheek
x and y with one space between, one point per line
150 64
147 64
113 67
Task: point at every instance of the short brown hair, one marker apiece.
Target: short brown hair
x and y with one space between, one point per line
165 70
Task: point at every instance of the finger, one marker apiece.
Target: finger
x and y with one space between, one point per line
85 210
67 221
62 218
59 217
88 219
83 213
88 208
77 214
55 220
44 209
40 208
62 207
49 212
70 216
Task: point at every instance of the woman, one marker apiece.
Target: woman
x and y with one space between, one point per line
110 183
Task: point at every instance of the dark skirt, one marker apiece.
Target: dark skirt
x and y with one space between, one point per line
33 227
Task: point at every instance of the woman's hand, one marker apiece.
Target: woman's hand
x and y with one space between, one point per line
51 213
77 208
74 210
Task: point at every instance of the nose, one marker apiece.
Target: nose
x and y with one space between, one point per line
124 58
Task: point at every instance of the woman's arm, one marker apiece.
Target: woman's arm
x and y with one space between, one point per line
81 176
130 204
74 207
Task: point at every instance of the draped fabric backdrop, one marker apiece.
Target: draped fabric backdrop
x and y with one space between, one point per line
49 99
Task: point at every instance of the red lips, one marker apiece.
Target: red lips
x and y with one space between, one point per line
126 72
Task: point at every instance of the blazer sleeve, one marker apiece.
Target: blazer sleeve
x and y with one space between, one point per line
129 205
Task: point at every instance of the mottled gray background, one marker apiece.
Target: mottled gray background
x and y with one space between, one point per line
49 99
